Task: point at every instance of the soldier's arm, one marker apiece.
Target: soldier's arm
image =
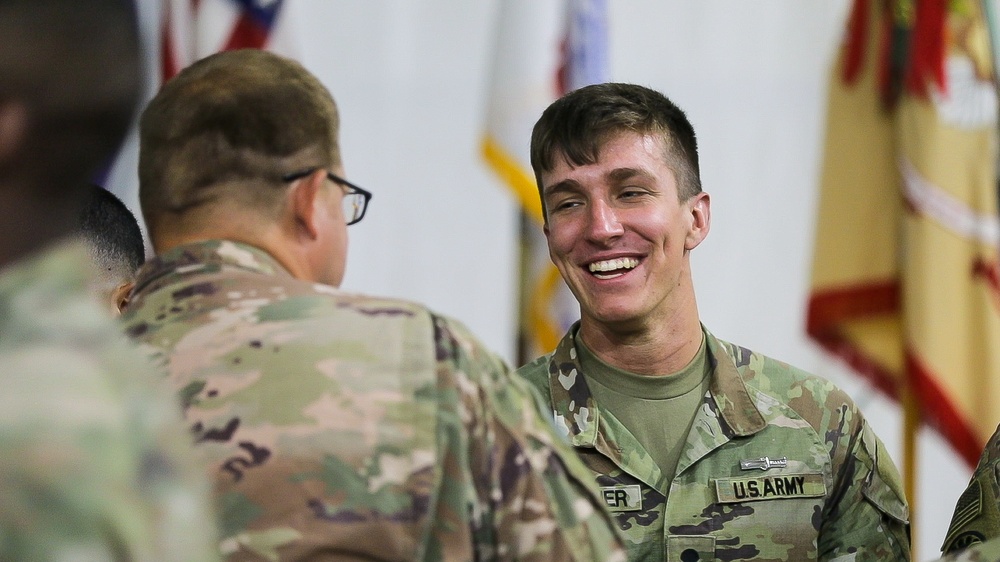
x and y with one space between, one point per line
537 499
867 514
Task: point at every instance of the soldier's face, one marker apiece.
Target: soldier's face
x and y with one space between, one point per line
619 235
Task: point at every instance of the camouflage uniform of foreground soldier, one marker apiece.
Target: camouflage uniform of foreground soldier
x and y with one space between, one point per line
94 462
336 426
703 450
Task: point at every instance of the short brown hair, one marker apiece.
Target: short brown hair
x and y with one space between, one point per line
578 125
231 125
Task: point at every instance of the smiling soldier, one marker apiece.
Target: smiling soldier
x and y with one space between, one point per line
703 450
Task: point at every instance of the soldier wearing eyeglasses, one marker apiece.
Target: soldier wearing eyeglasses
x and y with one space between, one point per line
334 426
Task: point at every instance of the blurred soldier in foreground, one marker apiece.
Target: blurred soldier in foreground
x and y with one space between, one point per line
336 426
704 450
94 463
115 242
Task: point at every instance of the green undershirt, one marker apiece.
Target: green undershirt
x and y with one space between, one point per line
657 410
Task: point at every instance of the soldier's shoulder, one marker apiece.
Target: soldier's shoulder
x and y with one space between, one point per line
991 452
459 350
988 551
811 396
758 369
371 306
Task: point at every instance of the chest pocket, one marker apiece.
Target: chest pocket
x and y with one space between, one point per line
763 516
690 548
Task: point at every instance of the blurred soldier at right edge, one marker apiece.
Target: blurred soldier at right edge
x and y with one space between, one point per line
336 426
988 551
977 513
94 462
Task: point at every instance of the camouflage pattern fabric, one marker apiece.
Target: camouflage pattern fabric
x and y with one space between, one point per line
340 426
94 462
988 551
977 513
778 465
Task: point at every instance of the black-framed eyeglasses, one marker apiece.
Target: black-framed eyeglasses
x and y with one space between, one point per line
355 201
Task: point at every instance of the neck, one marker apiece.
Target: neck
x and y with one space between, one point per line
660 346
265 235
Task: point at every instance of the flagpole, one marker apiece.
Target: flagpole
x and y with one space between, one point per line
911 427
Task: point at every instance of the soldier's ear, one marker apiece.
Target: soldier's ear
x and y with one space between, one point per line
120 297
304 201
699 208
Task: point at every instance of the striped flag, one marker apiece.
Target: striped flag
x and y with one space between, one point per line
543 49
194 29
190 30
906 283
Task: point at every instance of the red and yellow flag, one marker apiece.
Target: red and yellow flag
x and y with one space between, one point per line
905 282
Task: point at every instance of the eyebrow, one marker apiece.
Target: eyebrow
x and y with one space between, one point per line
617 175
560 187
622 174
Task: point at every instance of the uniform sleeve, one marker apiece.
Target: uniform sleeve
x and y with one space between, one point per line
977 513
535 498
867 512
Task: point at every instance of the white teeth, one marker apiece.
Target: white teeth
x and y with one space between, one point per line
615 264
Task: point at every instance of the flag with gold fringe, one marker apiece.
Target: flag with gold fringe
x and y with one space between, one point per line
905 282
543 49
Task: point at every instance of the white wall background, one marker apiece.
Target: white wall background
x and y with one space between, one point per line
410 77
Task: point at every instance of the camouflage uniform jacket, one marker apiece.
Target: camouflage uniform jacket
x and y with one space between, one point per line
977 513
94 461
341 426
778 465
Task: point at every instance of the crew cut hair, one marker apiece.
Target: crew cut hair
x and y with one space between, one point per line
580 123
113 234
230 126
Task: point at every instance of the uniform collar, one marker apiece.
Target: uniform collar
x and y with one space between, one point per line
205 257
579 416
728 386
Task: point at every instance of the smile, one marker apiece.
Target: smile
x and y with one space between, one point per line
608 269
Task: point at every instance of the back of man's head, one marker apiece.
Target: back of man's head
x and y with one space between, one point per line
227 129
115 242
577 125
71 80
